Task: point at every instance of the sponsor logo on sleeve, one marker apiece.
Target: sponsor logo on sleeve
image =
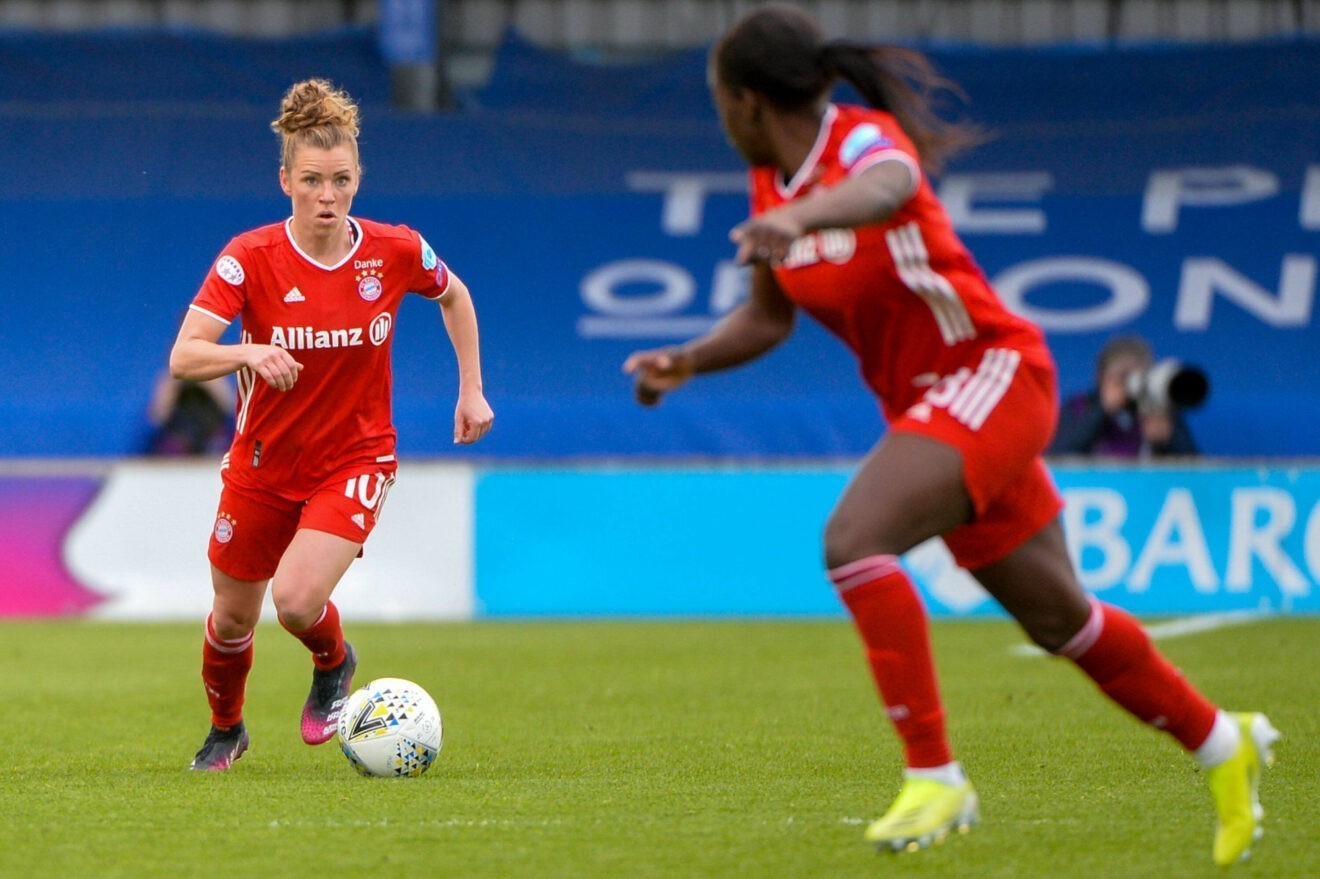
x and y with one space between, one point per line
861 140
229 269
429 259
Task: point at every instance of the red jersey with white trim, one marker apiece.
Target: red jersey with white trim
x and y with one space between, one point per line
905 295
338 322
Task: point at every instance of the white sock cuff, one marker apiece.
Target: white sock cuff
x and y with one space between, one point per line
1222 742
238 645
950 773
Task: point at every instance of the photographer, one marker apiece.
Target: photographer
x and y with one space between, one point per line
1134 411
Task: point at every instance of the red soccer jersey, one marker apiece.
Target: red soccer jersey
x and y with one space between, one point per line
337 321
905 295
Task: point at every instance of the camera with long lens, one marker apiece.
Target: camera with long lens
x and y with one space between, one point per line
1169 383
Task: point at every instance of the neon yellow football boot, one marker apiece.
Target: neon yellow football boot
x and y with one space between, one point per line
925 812
1234 783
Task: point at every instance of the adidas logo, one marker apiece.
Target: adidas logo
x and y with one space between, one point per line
294 295
359 520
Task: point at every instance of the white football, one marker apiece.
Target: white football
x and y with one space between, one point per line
390 728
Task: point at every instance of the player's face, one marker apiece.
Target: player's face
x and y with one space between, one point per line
321 183
739 112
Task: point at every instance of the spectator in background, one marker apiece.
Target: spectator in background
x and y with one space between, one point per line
846 226
1120 417
190 418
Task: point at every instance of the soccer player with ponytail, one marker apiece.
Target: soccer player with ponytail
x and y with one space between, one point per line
313 453
845 226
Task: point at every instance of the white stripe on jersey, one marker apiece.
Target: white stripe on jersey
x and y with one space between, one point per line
200 310
870 160
986 388
912 261
244 378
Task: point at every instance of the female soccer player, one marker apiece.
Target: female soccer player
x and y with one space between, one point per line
313 455
845 225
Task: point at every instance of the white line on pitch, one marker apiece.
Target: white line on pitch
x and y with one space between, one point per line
1175 628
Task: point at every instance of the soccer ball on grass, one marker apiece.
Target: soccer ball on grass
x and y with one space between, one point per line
390 728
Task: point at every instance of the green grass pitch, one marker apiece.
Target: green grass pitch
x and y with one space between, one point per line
628 749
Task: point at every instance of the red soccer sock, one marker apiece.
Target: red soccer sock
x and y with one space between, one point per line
1116 653
892 623
225 666
325 638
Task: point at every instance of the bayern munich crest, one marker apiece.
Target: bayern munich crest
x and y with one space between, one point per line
369 285
224 529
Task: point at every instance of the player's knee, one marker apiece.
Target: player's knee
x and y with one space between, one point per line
1050 628
232 625
298 613
847 540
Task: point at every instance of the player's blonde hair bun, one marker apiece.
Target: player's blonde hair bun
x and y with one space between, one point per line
315 113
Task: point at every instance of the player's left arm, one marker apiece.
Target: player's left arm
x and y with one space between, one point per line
473 415
870 196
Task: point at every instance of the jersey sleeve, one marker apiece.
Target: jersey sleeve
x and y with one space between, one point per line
430 276
871 142
224 292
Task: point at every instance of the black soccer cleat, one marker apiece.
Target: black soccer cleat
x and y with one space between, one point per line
221 748
330 688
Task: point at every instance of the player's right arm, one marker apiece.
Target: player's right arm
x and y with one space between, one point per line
751 329
198 355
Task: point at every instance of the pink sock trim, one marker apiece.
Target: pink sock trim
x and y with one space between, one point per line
238 645
1087 635
325 610
853 574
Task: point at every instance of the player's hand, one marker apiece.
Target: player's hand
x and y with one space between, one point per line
657 372
275 366
766 238
473 418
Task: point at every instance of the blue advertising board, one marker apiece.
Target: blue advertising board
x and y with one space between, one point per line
676 541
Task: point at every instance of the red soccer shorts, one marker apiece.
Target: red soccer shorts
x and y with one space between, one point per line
1000 416
253 528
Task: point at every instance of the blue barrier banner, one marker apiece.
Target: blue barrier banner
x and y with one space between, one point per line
407 31
199 73
636 542
1192 540
1172 192
729 541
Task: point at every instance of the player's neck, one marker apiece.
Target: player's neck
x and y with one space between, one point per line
794 136
326 246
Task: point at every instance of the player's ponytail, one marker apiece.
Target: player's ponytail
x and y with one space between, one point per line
903 82
315 113
780 52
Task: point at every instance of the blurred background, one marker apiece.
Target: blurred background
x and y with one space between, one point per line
1154 171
